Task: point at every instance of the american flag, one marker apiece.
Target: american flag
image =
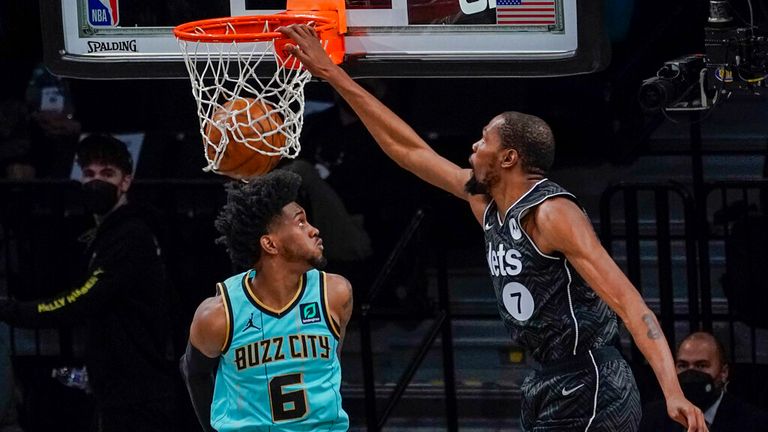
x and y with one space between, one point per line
525 12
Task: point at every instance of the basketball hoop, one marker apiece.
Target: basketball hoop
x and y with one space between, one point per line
226 59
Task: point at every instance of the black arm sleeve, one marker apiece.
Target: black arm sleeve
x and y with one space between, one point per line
199 371
66 308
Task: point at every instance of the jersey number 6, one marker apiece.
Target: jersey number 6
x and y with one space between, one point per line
287 405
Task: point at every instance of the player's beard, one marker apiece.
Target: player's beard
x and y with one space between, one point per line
473 186
319 262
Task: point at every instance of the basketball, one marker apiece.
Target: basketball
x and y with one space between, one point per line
249 121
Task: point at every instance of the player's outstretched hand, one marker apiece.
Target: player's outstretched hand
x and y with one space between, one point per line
687 414
307 49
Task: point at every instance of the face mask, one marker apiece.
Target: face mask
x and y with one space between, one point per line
100 196
699 388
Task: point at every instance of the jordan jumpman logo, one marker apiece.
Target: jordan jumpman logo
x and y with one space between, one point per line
250 324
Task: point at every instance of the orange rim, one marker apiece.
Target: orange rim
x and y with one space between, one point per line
220 30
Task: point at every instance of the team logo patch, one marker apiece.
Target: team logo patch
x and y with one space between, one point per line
514 229
310 313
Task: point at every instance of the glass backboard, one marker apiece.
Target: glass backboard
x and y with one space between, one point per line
386 38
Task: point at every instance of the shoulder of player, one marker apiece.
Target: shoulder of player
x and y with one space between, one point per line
339 291
209 326
555 211
559 224
338 287
210 311
552 224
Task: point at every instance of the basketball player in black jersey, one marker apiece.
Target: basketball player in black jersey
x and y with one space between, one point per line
556 286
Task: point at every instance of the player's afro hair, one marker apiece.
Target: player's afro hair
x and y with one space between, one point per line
249 211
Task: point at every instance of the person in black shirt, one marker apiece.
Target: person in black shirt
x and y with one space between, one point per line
556 287
123 300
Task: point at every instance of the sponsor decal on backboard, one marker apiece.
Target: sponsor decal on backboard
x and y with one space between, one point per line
114 46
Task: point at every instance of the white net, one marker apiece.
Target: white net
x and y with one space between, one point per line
234 103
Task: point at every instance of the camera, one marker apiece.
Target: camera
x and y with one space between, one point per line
735 59
673 83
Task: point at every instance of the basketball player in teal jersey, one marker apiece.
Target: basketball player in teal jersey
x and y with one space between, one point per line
263 354
556 287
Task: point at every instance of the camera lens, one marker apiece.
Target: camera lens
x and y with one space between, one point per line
656 94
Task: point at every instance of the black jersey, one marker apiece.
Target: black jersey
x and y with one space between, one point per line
545 305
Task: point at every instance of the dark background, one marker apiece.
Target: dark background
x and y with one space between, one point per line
596 120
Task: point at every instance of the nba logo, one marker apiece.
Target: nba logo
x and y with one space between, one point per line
103 13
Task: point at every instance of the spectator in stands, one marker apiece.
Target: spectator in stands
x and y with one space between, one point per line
54 131
703 371
13 148
15 163
123 300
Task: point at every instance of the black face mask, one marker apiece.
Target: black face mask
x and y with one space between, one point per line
100 196
699 388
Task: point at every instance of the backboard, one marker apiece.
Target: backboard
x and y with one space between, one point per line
386 38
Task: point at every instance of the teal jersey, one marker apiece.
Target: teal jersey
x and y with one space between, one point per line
279 370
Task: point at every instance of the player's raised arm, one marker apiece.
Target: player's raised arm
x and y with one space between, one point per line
561 226
398 140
